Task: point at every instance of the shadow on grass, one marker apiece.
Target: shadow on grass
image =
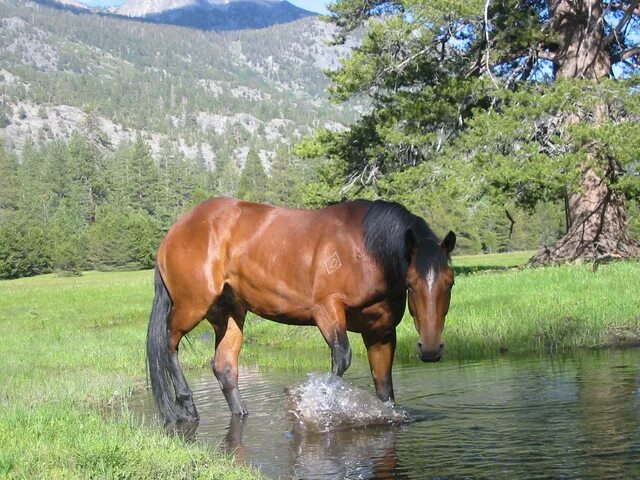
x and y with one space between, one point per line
468 270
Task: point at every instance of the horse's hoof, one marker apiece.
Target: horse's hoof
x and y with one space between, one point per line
241 412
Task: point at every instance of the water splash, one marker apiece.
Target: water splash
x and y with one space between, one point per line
325 402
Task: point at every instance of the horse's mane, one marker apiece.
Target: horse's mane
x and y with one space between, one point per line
384 233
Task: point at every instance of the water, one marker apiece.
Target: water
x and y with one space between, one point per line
326 403
571 417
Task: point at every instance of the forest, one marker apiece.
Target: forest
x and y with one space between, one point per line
72 206
502 133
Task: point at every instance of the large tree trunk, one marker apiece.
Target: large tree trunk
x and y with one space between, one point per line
597 229
598 220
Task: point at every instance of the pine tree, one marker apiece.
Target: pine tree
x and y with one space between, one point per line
8 182
252 185
143 179
529 100
285 180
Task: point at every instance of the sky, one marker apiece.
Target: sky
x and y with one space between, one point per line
311 5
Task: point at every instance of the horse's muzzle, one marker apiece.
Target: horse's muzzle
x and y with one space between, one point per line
430 356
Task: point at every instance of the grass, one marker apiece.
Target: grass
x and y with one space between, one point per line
71 347
72 350
494 262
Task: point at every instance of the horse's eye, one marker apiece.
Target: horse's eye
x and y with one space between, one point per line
409 287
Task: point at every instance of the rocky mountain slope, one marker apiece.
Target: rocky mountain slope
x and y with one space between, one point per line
207 94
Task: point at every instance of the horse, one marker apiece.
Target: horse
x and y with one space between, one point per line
345 267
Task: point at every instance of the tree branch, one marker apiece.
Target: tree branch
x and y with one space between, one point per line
629 12
486 33
616 6
397 68
546 55
622 56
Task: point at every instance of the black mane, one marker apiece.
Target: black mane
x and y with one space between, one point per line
385 227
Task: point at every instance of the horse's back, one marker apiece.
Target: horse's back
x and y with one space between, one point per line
279 261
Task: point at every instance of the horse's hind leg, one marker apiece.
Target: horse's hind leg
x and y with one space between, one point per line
225 362
183 320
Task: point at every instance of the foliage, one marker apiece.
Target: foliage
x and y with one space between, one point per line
473 109
69 207
253 180
24 248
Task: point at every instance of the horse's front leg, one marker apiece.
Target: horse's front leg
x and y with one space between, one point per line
225 362
380 350
330 319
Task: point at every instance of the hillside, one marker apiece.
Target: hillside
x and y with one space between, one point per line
206 93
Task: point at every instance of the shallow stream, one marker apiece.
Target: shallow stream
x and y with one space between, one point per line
564 417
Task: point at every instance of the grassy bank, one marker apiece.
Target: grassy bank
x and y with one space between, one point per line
71 346
71 351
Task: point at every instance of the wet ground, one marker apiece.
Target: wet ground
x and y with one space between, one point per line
564 417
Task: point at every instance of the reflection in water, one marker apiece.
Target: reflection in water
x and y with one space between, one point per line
233 440
357 453
608 417
573 417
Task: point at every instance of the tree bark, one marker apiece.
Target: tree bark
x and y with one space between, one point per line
597 214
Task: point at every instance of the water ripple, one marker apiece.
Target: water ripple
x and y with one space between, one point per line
574 417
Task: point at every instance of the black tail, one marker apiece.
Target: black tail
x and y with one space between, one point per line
158 355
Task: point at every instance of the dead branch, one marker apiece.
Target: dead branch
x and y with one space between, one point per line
629 12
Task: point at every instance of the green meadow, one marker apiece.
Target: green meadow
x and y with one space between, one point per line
72 351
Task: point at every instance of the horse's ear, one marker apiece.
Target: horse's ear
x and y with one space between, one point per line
449 242
410 243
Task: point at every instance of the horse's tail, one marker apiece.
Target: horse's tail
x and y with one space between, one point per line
158 354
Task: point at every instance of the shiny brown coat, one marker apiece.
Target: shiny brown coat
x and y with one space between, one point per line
300 267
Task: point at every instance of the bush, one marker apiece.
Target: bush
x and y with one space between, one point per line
123 238
24 248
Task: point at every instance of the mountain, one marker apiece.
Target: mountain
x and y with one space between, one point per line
213 14
212 95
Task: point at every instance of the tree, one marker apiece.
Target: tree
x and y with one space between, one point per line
8 182
123 238
24 247
285 180
143 182
530 100
253 179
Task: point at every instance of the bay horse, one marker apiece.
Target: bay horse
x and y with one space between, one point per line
348 266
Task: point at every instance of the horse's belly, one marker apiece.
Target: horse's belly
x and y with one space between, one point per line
277 306
288 319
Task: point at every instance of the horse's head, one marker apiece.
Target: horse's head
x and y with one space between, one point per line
429 282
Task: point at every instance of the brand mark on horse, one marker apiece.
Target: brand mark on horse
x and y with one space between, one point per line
332 263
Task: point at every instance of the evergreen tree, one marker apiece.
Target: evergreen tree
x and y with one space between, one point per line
123 238
143 179
285 180
8 183
252 185
530 100
227 177
24 247
68 240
